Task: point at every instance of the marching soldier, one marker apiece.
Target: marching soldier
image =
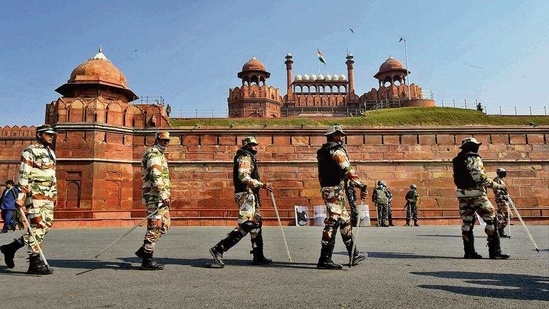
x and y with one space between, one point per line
156 197
333 169
246 195
471 181
38 184
502 201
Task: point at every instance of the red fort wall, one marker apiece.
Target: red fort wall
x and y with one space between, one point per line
100 182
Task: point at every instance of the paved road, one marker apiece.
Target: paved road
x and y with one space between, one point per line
406 268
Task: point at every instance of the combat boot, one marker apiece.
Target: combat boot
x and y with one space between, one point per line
149 264
501 232
469 247
217 255
257 251
494 248
259 258
407 222
37 267
139 253
415 223
357 258
9 251
325 260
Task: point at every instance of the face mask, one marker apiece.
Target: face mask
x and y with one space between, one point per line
162 148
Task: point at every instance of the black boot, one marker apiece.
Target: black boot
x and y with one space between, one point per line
9 251
494 248
469 247
139 253
415 223
390 216
357 256
501 232
407 222
257 251
325 260
37 267
148 264
224 245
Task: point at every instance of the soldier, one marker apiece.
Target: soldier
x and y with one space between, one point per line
382 197
333 169
156 197
38 184
247 184
502 201
412 199
471 182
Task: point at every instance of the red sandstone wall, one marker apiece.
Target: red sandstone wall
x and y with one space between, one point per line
101 180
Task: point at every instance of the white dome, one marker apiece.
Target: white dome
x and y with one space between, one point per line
342 77
288 55
328 77
335 77
313 77
298 77
305 77
320 77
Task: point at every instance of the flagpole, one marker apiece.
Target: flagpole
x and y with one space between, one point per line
407 71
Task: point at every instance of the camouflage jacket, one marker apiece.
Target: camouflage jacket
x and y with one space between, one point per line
156 176
37 172
412 197
501 195
475 166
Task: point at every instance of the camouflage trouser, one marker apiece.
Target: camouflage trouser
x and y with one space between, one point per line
411 211
382 214
40 216
157 225
248 211
503 214
469 205
336 217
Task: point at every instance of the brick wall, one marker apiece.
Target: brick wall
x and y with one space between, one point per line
101 177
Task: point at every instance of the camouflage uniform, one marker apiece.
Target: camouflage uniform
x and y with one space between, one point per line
334 170
246 186
38 184
471 181
382 197
156 197
412 199
502 201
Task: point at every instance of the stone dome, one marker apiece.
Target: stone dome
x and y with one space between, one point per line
391 64
253 65
97 70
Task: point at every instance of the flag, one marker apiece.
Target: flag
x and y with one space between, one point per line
320 56
352 30
401 39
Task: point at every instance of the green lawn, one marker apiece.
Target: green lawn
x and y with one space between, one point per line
406 116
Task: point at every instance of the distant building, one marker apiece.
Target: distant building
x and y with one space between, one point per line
321 95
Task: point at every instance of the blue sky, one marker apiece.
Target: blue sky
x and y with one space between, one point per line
189 52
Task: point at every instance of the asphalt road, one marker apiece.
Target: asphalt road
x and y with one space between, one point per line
419 267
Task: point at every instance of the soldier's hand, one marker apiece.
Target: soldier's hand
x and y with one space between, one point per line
363 194
166 203
268 186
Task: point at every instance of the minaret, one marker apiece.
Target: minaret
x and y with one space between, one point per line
289 74
350 74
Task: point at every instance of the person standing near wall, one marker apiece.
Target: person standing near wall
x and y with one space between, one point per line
502 201
334 169
247 184
471 181
381 197
412 200
39 194
156 197
7 204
